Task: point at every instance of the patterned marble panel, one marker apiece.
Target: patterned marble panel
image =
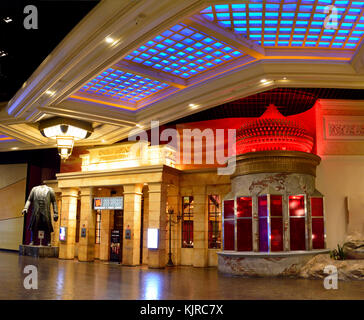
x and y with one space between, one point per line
273 183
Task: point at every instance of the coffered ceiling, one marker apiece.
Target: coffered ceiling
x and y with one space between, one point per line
129 62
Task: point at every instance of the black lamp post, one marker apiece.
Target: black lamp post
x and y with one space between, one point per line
170 221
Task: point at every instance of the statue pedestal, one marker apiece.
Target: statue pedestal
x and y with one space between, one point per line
38 251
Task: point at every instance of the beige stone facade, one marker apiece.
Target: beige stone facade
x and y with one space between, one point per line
148 192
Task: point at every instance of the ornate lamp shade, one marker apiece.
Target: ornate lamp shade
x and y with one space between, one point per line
272 131
65 132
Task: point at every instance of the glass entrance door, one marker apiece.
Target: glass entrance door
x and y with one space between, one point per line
116 243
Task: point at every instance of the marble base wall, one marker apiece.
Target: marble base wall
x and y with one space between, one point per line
38 251
263 266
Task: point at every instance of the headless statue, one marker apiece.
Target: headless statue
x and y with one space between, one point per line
41 197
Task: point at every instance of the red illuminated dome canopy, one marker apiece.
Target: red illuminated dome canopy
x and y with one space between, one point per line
272 131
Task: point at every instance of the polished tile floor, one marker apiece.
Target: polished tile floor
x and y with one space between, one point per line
63 279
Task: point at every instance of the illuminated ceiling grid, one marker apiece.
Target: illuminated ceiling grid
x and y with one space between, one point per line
224 37
276 23
124 86
184 52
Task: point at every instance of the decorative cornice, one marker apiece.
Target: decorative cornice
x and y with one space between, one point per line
118 172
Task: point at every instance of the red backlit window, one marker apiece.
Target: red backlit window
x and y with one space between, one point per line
276 223
244 224
270 223
229 209
244 207
297 220
229 225
187 222
263 223
318 226
317 207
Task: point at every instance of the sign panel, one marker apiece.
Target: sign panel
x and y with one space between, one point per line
344 127
62 234
83 233
153 235
127 234
115 245
109 203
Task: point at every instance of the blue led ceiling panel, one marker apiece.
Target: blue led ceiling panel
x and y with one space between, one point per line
123 86
183 51
305 22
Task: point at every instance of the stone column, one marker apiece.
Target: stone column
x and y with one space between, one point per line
157 219
86 246
132 219
255 223
286 235
107 224
200 227
145 225
68 220
55 234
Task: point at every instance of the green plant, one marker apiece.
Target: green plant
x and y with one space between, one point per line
338 254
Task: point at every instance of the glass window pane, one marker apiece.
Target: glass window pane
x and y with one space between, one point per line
187 222
263 235
296 206
228 209
244 207
229 235
318 233
214 231
317 208
276 234
297 234
276 206
187 234
262 206
244 235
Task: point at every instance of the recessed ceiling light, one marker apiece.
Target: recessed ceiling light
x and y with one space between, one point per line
265 81
109 40
14 148
103 141
140 126
50 93
8 19
284 78
193 106
3 53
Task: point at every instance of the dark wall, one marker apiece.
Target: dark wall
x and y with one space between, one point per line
42 165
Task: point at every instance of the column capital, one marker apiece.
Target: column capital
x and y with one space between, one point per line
157 187
69 192
133 189
87 191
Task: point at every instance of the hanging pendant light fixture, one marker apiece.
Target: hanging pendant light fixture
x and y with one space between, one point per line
65 132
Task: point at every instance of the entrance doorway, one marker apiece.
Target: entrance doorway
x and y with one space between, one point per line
116 243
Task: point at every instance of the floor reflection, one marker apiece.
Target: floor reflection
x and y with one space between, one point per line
65 279
152 284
